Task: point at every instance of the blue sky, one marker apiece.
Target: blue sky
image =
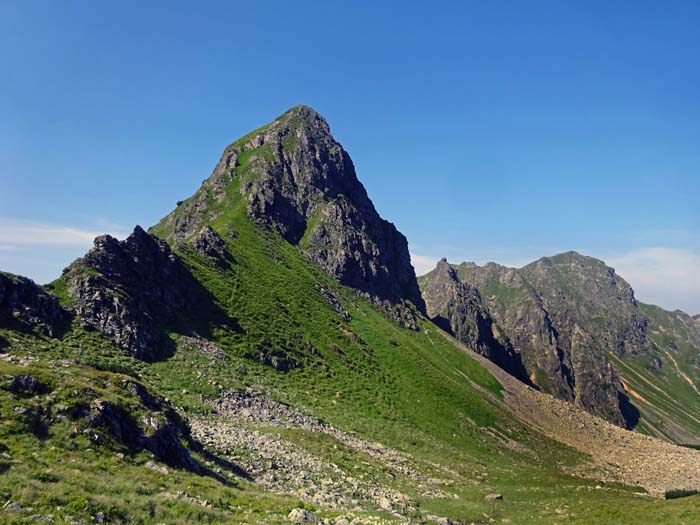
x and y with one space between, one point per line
485 130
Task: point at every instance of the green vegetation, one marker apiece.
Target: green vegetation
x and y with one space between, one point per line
52 464
680 493
311 225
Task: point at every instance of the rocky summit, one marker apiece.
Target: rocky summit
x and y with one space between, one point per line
131 291
293 177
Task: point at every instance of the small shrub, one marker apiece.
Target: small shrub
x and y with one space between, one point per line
111 366
46 477
680 493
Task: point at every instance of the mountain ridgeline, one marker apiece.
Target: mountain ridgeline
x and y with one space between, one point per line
572 324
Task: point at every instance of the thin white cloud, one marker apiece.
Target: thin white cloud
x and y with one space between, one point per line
423 263
668 277
18 232
39 250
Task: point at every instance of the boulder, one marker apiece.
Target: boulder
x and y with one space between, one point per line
302 516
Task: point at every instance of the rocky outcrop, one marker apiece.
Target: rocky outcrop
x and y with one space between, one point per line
157 427
297 180
561 315
26 385
457 308
279 359
131 291
25 305
331 298
208 242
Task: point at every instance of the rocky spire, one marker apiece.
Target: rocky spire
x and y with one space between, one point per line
297 180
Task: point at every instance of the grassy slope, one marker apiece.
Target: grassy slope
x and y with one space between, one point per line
51 467
668 400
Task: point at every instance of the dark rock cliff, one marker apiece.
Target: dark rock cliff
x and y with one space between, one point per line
457 308
25 305
131 291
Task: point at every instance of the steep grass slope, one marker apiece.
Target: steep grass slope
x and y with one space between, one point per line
667 396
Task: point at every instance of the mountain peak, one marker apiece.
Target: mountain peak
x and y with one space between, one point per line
292 177
563 314
303 111
443 272
300 117
568 258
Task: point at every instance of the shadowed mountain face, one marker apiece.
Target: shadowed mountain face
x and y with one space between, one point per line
563 316
130 290
293 177
24 305
457 308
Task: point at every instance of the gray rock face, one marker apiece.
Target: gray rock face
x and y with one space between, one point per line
210 243
26 305
297 180
580 289
457 308
160 430
517 308
330 297
561 315
27 386
130 291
